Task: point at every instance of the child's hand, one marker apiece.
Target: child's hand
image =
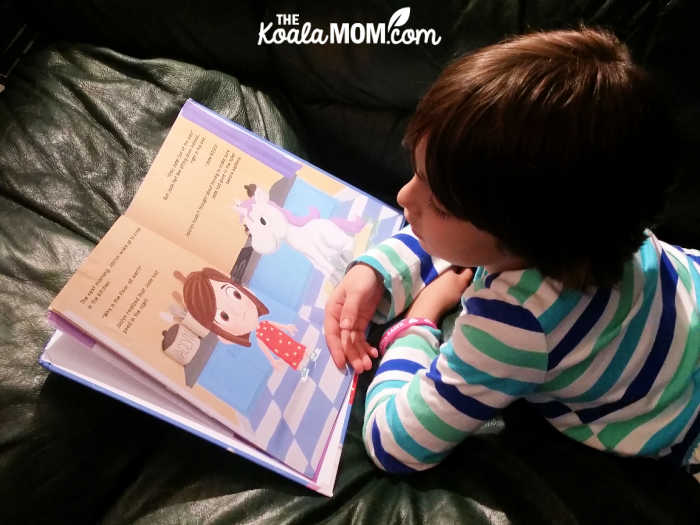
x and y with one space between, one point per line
436 299
348 312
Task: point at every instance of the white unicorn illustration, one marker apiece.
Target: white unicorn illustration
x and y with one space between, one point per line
326 243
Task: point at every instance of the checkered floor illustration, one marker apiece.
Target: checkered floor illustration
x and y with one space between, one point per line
292 418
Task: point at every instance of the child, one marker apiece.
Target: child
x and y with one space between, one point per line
233 312
531 162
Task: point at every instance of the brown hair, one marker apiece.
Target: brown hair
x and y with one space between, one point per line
200 302
544 141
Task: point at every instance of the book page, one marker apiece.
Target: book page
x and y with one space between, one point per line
122 296
216 279
234 352
189 193
219 191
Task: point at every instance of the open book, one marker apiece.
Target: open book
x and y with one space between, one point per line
204 303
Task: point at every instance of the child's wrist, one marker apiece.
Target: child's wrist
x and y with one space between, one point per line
367 271
424 309
399 328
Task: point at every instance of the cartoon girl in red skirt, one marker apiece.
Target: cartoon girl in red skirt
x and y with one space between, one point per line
233 312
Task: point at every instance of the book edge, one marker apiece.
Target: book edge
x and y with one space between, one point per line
262 458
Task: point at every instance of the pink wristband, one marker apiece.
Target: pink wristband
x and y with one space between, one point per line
395 331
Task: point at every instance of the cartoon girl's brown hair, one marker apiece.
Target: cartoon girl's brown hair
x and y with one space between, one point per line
200 301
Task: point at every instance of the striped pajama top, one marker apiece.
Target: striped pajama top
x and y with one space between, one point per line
617 369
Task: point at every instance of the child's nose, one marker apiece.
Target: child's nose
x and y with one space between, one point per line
405 193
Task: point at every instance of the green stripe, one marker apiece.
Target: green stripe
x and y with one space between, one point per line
474 376
613 433
626 348
403 270
688 362
417 342
405 441
478 280
528 284
610 332
436 426
495 349
580 433
374 263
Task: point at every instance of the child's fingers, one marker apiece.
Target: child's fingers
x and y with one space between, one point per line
350 312
366 362
336 349
358 355
354 357
331 329
373 352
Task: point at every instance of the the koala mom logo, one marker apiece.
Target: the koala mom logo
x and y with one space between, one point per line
290 30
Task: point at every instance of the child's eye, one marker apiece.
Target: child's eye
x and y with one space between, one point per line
223 315
237 294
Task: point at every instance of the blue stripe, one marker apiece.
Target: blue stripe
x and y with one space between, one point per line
666 435
641 384
427 270
630 340
405 441
403 365
581 327
695 258
490 278
559 309
465 404
503 312
388 461
551 409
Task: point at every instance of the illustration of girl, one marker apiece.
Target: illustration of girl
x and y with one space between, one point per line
233 312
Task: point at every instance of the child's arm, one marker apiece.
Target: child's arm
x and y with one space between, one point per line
425 399
405 269
381 284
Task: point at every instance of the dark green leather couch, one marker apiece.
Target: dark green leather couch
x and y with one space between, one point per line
82 117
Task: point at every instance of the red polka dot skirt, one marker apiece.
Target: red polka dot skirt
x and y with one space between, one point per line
280 344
